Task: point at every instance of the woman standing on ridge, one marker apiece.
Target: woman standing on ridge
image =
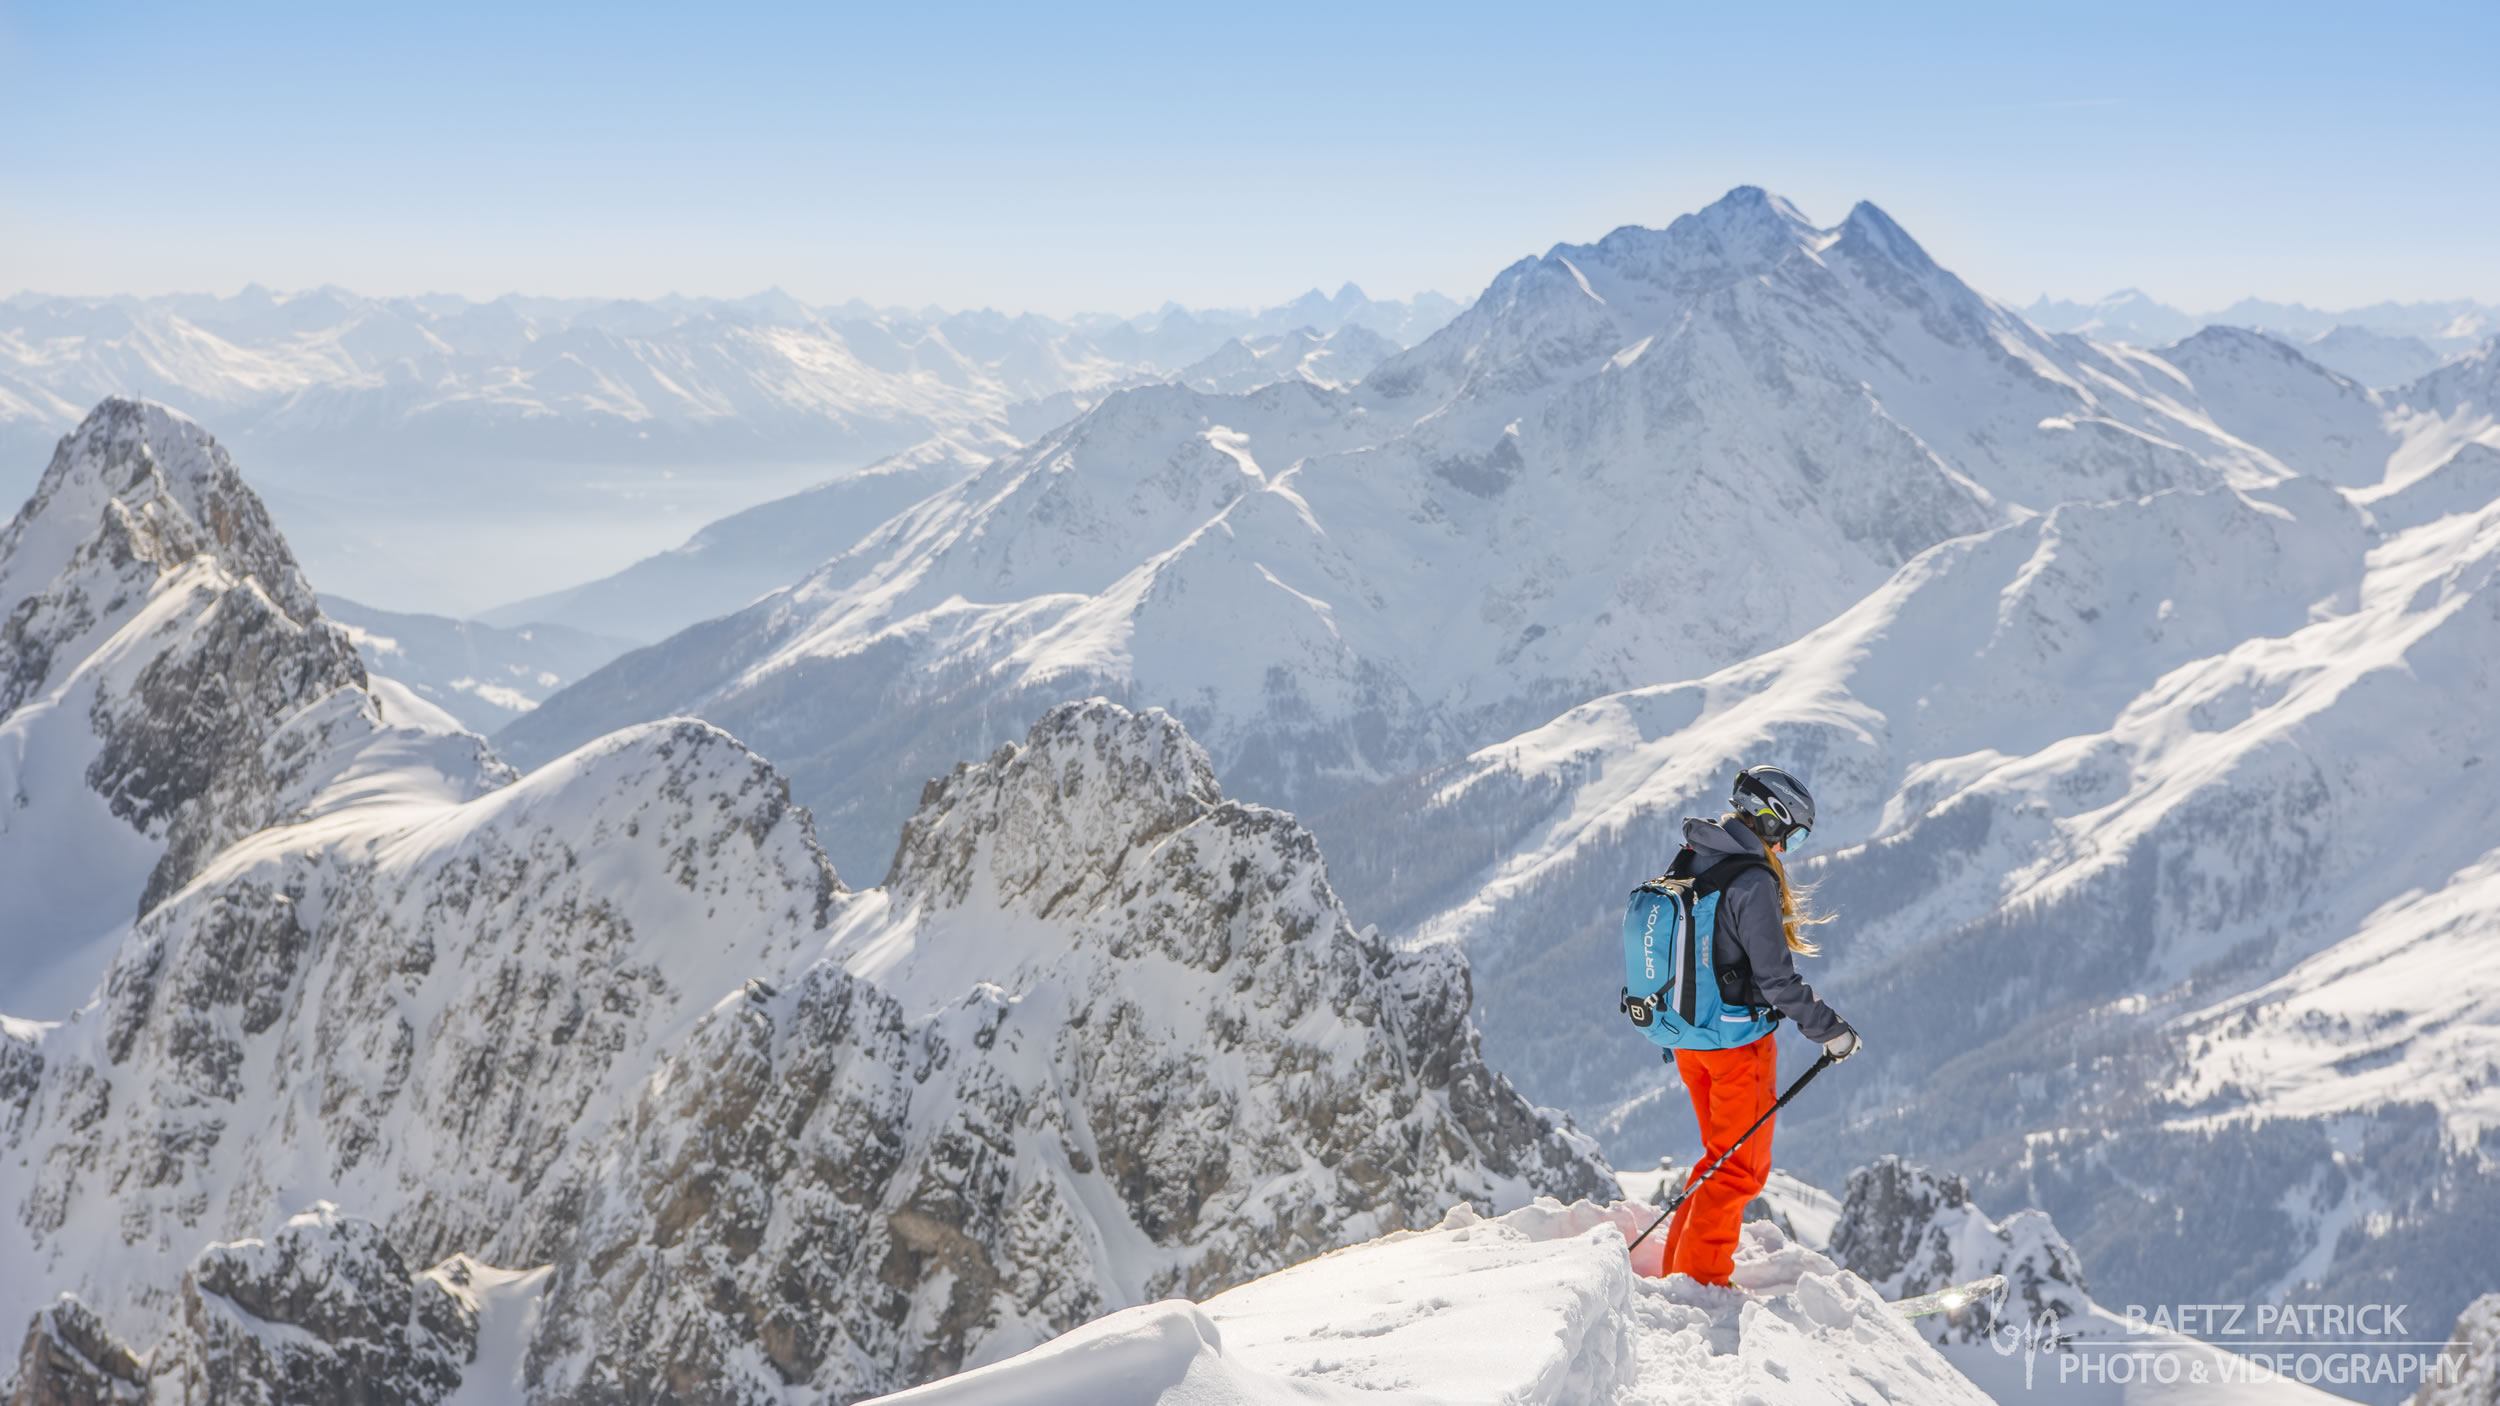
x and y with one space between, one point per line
1755 939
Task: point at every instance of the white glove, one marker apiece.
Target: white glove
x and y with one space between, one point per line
1842 1045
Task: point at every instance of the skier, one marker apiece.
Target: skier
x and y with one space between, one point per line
1756 940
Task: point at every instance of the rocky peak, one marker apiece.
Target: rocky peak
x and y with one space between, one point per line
1091 783
157 644
165 491
1908 1230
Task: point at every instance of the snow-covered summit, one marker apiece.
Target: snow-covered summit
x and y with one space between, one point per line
2266 392
165 488
167 685
1569 490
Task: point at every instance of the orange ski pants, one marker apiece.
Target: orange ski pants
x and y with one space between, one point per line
1730 1089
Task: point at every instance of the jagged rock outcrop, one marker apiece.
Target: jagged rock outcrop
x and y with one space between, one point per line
322 1313
1105 1037
1908 1230
71 1359
433 1002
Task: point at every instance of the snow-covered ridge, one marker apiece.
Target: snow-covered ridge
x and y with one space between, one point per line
1338 358
1536 1306
1540 1305
2386 344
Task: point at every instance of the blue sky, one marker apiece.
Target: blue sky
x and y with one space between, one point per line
1107 157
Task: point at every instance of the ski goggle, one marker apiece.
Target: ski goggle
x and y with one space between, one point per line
1794 835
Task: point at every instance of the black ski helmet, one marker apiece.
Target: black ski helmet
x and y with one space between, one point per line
1776 804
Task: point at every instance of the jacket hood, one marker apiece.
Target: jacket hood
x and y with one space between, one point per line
1713 840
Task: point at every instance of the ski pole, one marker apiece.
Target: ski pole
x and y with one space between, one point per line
1689 1187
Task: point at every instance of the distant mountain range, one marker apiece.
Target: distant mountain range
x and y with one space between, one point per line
2383 344
439 452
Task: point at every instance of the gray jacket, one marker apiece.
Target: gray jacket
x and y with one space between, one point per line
1748 932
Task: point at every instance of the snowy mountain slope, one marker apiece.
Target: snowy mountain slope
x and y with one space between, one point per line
2035 420
2463 483
328 371
415 1006
480 675
2375 359
752 553
2301 816
2452 324
2172 808
2313 420
2129 315
1987 646
2452 407
524 961
1537 1306
2445 328
1332 589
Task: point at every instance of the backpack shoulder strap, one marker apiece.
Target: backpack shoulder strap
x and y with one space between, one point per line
1721 874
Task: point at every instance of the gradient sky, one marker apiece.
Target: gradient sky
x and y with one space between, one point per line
1108 157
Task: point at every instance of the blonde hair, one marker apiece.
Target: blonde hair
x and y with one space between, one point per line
1793 912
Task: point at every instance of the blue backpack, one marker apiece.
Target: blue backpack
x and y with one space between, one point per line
1671 983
